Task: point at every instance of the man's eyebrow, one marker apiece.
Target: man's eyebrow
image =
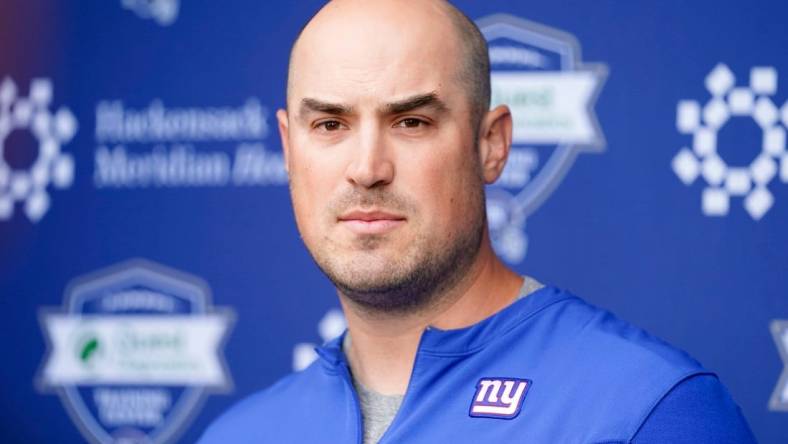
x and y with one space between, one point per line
315 105
413 102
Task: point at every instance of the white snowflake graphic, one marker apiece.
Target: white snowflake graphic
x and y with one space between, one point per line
724 181
51 132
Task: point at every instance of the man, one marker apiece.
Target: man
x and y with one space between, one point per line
389 141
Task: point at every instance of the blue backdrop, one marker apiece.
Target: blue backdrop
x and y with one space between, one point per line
142 193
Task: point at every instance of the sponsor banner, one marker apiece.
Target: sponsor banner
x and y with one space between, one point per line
172 147
156 146
547 108
539 73
133 351
157 350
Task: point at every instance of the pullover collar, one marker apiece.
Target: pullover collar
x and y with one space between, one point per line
468 340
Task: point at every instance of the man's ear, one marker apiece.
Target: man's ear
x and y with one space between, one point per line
495 140
281 117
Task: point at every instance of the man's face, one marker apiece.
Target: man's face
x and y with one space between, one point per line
384 174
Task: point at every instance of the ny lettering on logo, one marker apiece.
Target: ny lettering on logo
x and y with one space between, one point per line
499 397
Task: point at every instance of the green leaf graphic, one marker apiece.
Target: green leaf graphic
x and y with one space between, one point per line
88 349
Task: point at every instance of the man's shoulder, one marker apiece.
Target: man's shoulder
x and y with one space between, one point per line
595 336
698 410
286 389
283 404
596 365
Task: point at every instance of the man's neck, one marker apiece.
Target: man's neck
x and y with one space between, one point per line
383 348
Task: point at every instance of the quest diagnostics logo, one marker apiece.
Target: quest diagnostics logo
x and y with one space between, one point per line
133 352
732 105
31 159
538 71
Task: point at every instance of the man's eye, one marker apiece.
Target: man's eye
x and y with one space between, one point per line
329 125
411 122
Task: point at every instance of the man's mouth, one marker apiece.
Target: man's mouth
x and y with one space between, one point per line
371 222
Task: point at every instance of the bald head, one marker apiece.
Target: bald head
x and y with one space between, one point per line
433 21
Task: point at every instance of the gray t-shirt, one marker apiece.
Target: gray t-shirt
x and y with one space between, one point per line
378 410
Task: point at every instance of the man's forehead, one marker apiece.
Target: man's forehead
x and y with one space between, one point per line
373 50
376 15
373 87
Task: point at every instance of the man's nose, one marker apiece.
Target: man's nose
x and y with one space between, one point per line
371 165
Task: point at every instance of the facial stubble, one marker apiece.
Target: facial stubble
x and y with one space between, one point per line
409 283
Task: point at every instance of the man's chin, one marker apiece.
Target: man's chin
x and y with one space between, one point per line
372 272
369 279
381 293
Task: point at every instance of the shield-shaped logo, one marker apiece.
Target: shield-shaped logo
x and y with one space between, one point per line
133 352
539 73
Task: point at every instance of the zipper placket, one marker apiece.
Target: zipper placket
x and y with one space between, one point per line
356 402
408 391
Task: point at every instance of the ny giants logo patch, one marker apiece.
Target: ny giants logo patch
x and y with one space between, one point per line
499 397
